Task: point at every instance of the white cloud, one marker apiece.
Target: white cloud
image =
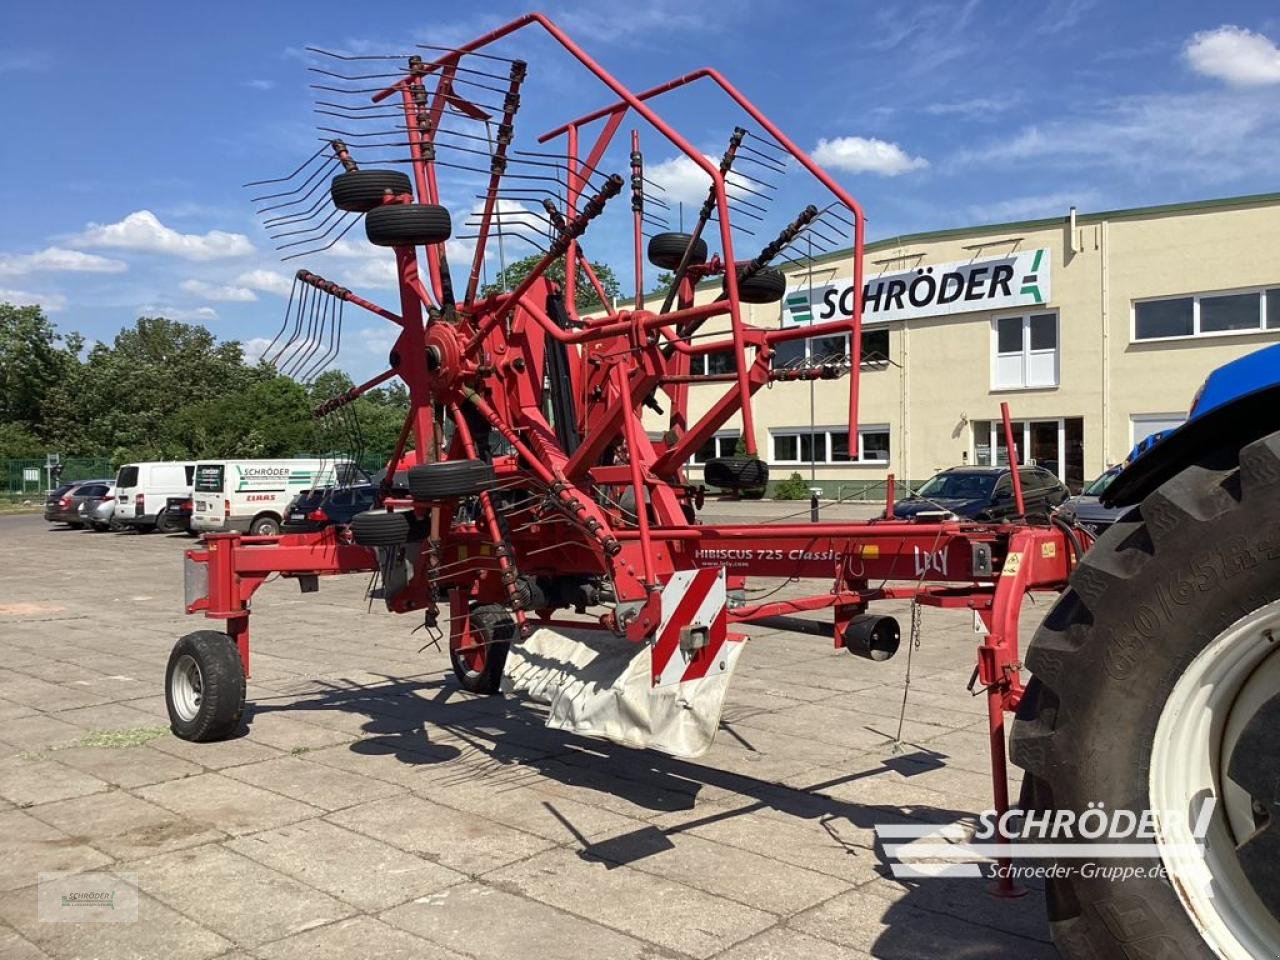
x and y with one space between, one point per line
1031 207
683 181
975 108
1211 138
258 84
50 302
182 314
866 155
1240 57
226 293
57 259
254 348
142 230
266 281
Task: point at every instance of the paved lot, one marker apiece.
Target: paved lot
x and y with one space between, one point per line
371 809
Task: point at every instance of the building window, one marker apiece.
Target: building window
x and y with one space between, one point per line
1207 314
1055 445
721 445
820 350
1143 425
722 361
830 445
1026 352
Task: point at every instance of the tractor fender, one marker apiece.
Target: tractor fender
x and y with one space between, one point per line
1228 426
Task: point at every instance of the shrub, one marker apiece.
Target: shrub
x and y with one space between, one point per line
795 487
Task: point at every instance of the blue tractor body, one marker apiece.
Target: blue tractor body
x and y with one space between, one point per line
1238 403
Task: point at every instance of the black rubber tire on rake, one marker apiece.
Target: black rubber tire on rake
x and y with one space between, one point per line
736 473
407 225
666 250
764 286
359 191
380 528
449 479
216 660
497 629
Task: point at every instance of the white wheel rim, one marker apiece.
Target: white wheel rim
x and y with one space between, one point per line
186 687
1200 723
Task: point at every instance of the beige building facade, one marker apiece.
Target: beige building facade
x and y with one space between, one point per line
1096 329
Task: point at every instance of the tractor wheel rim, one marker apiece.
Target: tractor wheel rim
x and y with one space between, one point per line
186 688
1198 725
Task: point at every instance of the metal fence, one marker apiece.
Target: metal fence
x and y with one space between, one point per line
29 479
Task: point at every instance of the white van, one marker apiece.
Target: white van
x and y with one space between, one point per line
143 490
251 496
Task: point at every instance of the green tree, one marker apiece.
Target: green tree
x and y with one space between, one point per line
35 360
585 296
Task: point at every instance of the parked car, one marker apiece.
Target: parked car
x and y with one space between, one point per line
66 508
253 496
143 490
328 506
983 493
176 516
99 510
52 501
1086 509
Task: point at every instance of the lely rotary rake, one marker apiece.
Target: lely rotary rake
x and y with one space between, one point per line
533 485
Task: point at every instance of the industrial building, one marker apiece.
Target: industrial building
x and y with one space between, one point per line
1096 328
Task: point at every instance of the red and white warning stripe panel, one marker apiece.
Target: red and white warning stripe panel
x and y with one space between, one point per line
694 627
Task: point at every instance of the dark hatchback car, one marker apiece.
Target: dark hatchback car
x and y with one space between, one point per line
176 516
983 493
62 505
328 506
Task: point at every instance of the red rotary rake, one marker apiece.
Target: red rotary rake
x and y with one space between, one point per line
533 485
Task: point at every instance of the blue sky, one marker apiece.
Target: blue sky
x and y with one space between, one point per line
131 127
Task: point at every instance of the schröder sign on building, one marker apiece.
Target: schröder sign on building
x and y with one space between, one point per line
1018 280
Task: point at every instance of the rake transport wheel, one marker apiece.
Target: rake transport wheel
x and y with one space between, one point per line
479 670
447 479
764 286
666 250
736 473
359 191
380 528
204 687
407 225
1157 685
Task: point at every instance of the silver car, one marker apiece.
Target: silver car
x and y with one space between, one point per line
99 511
1086 510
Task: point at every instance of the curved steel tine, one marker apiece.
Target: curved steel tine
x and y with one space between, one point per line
351 222
258 183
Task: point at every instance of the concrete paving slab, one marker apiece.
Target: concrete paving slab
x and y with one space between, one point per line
357 937
366 873
656 909
321 786
227 804
29 847
158 932
462 841
492 924
234 896
127 766
26 780
124 826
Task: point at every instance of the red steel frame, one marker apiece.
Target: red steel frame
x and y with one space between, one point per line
487 361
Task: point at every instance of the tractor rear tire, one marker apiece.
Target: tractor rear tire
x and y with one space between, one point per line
407 225
736 473
1185 581
359 191
204 687
480 671
380 528
449 479
666 250
764 286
